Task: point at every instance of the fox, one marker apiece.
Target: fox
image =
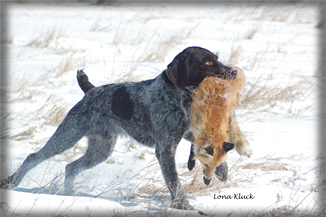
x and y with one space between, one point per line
213 123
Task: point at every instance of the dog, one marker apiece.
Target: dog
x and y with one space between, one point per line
212 122
213 103
155 113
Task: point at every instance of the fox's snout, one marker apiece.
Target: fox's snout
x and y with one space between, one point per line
207 181
212 157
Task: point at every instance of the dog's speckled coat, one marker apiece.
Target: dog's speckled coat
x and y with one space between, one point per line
155 112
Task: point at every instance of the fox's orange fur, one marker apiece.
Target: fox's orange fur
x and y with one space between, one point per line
212 110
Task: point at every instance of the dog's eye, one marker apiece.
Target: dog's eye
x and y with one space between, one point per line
209 63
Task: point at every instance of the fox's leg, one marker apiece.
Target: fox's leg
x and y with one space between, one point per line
191 162
99 149
221 171
66 135
238 139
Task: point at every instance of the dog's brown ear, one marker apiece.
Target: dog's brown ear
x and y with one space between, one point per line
178 70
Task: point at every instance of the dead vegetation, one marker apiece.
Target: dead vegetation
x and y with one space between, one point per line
45 39
98 26
50 113
68 64
193 184
259 97
251 34
160 52
235 55
55 115
263 98
145 49
266 166
26 134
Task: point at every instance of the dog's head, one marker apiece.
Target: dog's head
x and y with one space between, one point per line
193 64
211 156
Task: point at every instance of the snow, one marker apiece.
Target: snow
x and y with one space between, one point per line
274 44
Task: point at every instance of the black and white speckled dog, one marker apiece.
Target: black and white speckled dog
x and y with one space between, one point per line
154 112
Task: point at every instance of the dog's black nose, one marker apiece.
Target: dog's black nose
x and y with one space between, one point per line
207 181
230 73
233 73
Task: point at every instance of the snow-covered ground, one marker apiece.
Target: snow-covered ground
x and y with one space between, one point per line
277 47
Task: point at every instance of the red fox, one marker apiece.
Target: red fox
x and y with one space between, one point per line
213 124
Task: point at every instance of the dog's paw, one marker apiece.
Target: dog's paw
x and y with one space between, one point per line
6 184
181 204
9 182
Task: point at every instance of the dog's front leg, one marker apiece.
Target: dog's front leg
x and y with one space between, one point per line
165 156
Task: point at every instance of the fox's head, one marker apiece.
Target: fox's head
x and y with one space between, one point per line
211 156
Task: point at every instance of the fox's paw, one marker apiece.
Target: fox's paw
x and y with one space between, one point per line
191 164
245 150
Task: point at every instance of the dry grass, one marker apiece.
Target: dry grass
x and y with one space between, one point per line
50 113
258 98
73 154
165 46
252 33
52 40
44 40
262 98
99 27
235 55
282 13
152 191
266 166
156 54
56 115
68 64
149 188
26 134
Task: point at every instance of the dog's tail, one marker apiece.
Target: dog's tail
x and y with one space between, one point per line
83 81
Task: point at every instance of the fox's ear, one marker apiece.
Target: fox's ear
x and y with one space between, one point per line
227 146
206 150
209 150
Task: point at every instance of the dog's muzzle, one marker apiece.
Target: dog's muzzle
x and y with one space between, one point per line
229 73
207 181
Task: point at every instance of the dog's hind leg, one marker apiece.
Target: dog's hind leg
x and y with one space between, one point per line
66 135
99 149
